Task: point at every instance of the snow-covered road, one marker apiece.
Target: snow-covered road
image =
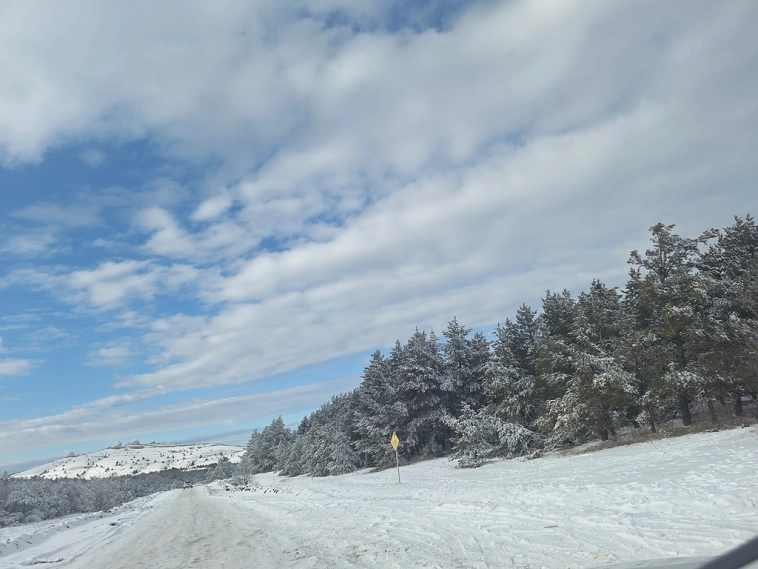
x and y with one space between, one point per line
192 529
688 497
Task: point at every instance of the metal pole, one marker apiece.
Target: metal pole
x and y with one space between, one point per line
397 460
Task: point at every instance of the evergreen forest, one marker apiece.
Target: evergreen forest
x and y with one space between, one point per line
679 339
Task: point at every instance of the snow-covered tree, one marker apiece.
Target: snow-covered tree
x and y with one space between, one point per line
266 448
223 470
342 457
730 269
379 411
243 472
675 295
420 388
475 437
480 435
459 379
511 378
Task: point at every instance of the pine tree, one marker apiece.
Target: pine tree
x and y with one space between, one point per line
679 315
730 267
421 389
459 375
267 448
379 412
343 458
637 349
594 388
475 395
223 470
474 439
512 390
553 355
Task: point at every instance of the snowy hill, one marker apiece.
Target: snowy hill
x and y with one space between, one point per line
135 458
693 496
681 499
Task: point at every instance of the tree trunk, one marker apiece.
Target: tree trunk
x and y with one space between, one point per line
754 395
684 406
631 415
651 417
603 434
712 412
738 404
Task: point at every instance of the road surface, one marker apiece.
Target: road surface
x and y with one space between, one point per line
192 529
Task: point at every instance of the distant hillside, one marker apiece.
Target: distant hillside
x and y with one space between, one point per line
135 458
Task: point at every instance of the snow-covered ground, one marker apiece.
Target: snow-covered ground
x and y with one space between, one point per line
135 459
687 497
60 542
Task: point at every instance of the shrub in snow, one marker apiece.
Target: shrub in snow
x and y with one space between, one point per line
222 471
479 436
516 440
243 472
474 439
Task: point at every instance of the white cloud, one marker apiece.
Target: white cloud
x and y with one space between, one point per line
222 239
93 157
211 208
402 178
15 367
3 349
29 244
239 83
114 353
111 417
468 233
113 283
474 244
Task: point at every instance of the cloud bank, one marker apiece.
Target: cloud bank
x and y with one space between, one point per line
364 169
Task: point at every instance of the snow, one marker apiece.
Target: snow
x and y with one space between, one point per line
59 542
682 497
690 498
135 459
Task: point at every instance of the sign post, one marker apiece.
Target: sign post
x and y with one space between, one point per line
395 441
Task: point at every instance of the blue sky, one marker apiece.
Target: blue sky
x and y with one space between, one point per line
212 212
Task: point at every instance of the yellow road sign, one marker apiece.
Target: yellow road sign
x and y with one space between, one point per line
395 441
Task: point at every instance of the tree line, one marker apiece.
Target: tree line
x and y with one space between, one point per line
680 337
27 500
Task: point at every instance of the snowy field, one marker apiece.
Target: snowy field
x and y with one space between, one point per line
60 542
694 496
135 459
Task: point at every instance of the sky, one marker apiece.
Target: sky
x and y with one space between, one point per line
212 212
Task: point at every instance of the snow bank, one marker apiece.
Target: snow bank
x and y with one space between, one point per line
692 496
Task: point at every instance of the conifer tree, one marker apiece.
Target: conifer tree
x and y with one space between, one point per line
420 388
379 412
730 267
513 394
679 318
458 372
